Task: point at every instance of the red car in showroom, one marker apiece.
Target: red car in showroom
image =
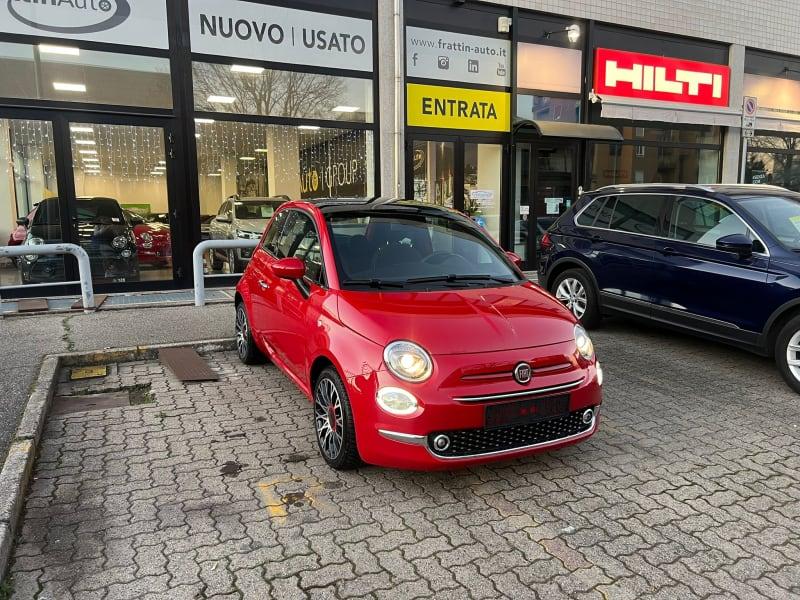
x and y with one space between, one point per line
418 341
153 240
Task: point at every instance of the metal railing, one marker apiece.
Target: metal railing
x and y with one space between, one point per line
197 263
84 267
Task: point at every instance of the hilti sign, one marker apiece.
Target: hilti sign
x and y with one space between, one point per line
634 75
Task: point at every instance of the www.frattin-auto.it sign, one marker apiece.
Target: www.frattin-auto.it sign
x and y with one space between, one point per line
128 22
277 34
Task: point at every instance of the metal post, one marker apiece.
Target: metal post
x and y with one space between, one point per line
84 265
197 262
743 166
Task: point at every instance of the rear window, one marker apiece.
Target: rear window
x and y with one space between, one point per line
99 210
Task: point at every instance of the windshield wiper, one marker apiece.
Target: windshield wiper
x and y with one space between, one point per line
456 278
376 283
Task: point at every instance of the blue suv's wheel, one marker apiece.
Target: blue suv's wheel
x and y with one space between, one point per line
787 353
575 290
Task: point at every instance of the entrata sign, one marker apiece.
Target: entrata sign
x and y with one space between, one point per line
458 108
131 22
649 77
278 34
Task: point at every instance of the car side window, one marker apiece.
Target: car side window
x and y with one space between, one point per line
590 217
273 232
638 213
703 222
299 239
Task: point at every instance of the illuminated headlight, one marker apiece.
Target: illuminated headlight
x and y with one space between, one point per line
584 343
397 401
408 361
147 240
126 254
34 241
120 242
599 373
248 235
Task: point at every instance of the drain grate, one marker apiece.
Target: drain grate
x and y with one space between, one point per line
32 305
103 400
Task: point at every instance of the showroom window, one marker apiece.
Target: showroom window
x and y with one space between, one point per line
774 160
252 90
658 155
72 74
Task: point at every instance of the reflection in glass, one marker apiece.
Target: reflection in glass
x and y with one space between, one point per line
221 88
32 72
522 190
483 170
249 168
433 164
774 160
548 108
122 206
29 177
628 163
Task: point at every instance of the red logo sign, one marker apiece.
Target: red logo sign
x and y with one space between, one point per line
650 77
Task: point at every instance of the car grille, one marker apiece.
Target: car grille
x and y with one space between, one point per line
471 442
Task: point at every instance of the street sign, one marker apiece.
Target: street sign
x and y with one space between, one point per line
749 111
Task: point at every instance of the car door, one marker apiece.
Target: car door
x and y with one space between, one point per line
300 302
263 283
709 288
623 236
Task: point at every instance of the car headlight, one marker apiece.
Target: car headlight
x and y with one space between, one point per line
147 240
33 241
408 361
584 343
248 235
120 242
397 401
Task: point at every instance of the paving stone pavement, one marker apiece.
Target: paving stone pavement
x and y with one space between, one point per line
691 489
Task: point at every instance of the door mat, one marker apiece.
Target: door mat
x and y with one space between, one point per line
98 302
186 364
32 305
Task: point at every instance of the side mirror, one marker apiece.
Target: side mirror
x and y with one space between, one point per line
23 222
289 268
514 258
736 243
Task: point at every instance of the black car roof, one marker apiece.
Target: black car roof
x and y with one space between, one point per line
344 205
725 189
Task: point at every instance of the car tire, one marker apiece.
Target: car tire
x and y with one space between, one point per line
787 350
333 422
246 347
575 289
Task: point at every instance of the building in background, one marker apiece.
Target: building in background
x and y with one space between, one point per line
177 109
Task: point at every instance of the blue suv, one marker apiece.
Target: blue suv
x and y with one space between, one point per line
719 261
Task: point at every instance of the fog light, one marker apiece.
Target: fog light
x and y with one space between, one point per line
397 401
126 254
441 443
588 416
599 373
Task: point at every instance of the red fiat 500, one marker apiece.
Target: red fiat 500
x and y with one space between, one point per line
418 341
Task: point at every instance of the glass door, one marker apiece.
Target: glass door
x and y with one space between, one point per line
120 211
29 201
483 185
433 171
545 188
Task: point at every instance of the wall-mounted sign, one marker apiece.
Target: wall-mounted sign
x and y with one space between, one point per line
650 77
458 108
130 22
447 56
277 34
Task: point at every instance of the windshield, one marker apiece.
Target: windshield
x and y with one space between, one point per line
98 210
254 209
413 251
780 215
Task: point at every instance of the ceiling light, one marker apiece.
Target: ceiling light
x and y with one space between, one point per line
310 127
69 87
92 172
197 135
159 168
162 162
66 50
262 150
86 142
87 151
346 109
79 129
247 69
247 158
221 99
156 172
203 121
214 175
91 160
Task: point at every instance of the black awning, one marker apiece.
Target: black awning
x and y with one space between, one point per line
568 130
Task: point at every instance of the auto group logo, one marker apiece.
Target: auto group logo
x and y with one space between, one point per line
83 16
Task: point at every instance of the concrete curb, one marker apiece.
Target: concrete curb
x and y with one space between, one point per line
18 466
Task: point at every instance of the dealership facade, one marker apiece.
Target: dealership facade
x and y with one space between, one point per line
182 110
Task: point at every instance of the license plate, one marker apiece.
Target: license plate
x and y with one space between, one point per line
525 411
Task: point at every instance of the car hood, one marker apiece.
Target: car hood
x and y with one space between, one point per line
252 225
459 321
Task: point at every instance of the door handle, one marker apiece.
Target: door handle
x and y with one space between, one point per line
669 251
263 285
597 238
